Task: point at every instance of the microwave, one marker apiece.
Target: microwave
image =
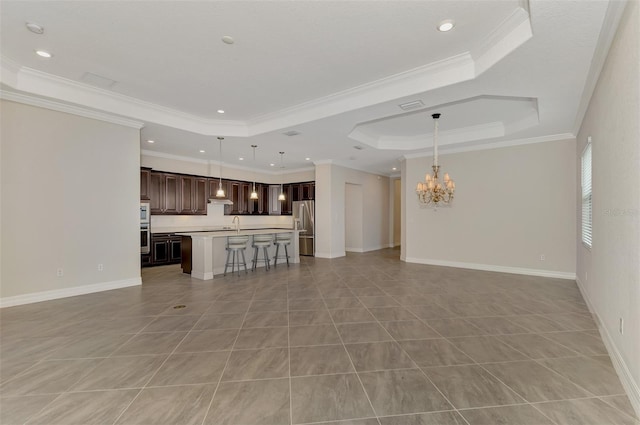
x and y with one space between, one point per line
145 212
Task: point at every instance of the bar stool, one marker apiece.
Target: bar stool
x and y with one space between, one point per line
236 244
282 239
264 242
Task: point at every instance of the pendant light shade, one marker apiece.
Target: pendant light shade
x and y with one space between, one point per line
281 197
254 194
220 192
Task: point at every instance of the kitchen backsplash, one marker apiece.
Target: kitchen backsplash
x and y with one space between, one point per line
215 217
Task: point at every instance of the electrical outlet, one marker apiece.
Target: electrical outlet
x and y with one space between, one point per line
100 267
60 272
542 257
621 326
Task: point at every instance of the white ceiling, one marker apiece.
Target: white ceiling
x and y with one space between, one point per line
335 71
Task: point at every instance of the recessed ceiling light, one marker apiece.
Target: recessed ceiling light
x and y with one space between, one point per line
446 25
201 151
227 39
394 168
241 159
271 165
151 141
307 159
34 28
43 54
221 111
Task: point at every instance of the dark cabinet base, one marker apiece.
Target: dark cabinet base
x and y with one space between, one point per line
165 249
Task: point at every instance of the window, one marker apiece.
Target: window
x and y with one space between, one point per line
587 213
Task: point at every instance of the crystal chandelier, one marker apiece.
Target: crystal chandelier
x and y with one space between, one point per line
220 192
432 191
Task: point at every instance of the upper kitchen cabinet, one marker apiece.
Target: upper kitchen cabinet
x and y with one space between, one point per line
175 194
165 193
214 184
307 191
286 205
194 195
145 183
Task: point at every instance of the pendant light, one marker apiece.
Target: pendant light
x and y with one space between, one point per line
220 193
281 197
254 194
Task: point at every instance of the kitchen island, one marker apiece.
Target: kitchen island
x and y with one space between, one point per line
204 253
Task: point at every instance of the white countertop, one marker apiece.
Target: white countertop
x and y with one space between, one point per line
245 232
191 229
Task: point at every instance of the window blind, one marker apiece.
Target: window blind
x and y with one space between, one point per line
587 213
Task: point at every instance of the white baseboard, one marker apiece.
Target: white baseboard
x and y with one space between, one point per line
330 255
630 385
493 268
369 248
36 297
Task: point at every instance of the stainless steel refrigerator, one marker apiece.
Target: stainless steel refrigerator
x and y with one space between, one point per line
304 218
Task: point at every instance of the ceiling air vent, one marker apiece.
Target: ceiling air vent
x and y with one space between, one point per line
358 147
409 106
98 80
291 133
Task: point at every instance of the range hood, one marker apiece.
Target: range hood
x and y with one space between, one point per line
220 201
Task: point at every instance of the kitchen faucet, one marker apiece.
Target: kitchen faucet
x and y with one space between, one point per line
237 223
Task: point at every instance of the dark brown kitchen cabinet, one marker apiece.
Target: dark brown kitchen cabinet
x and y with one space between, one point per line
286 205
194 195
165 193
235 195
145 183
307 191
200 195
214 184
165 249
258 206
177 194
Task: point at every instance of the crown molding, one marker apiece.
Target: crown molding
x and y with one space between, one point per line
177 157
495 145
612 18
37 83
510 34
69 109
323 162
9 71
490 130
155 154
458 68
362 170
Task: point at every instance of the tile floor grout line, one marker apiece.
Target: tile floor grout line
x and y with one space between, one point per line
352 278
152 375
355 371
413 361
215 391
289 354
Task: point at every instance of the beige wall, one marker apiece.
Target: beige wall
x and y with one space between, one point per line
512 205
70 200
331 182
609 273
353 227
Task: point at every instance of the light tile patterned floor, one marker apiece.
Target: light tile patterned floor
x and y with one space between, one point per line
361 340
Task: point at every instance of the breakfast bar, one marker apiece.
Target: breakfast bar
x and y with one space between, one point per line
204 253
